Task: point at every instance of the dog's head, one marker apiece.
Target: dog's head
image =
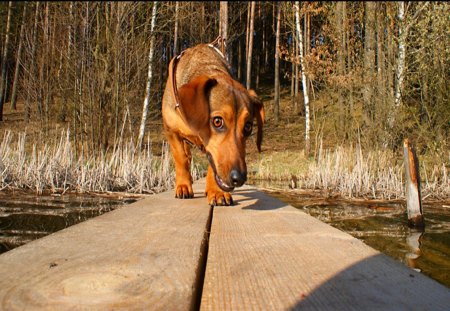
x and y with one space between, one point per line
221 112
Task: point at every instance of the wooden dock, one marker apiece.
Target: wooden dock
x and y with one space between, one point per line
161 253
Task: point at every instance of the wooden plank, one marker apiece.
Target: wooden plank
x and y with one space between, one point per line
144 256
412 184
266 255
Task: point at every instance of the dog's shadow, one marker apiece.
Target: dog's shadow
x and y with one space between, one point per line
262 201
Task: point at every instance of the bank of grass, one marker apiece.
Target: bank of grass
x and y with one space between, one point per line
348 171
51 164
57 168
351 172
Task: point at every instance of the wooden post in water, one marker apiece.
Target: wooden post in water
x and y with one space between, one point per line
412 183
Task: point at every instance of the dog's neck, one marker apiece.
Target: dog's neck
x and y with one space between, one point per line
173 72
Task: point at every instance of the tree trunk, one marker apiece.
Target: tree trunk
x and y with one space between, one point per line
382 94
203 22
5 56
340 9
369 59
264 43
247 27
223 24
276 100
175 33
258 70
46 65
18 59
239 67
294 66
401 54
292 52
64 104
349 67
33 64
380 52
305 90
390 77
307 36
381 76
149 78
267 42
250 45
296 82
403 30
412 185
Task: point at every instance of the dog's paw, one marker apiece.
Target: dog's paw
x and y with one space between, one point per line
184 192
219 198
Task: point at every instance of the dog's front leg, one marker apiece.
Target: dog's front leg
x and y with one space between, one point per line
214 194
182 156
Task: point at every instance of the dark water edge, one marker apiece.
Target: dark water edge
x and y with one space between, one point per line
26 217
382 225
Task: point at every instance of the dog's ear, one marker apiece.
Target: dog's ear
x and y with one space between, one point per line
194 101
258 111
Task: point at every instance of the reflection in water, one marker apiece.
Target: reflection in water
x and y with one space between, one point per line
413 241
24 217
384 226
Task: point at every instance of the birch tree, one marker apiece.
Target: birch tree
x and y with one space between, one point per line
149 78
302 64
403 30
5 56
401 54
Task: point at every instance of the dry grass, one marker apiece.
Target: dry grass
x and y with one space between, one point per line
42 163
55 168
353 173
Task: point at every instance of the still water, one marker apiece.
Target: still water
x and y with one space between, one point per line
384 226
26 217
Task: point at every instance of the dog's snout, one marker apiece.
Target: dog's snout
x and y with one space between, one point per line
238 178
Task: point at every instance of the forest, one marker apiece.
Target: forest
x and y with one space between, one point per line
82 82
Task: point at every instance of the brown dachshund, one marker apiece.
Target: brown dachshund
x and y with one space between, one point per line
214 112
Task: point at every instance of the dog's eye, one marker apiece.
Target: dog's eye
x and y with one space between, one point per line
217 122
248 128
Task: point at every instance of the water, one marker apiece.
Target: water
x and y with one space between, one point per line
384 226
26 217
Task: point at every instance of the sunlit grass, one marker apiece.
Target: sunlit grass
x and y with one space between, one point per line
352 172
348 171
56 168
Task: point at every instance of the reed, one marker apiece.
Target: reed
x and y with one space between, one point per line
354 173
56 168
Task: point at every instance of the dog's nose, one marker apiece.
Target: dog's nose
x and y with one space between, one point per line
237 178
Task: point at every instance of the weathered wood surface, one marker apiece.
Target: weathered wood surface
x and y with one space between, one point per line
412 184
266 255
144 256
263 255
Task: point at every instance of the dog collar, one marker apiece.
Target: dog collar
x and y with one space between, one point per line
173 72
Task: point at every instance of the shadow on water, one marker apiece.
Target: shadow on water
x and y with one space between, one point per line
384 226
26 217
266 204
